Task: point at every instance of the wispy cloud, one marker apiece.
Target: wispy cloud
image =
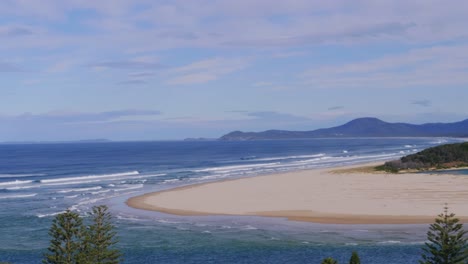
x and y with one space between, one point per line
206 70
133 82
15 31
350 34
333 108
277 116
9 67
262 84
73 117
424 103
126 65
434 66
143 74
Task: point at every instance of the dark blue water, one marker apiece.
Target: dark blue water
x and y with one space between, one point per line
38 181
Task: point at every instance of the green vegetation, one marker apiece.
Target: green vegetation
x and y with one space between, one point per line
73 242
440 157
329 261
67 235
447 241
355 258
101 238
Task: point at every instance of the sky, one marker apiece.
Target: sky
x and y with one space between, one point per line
157 70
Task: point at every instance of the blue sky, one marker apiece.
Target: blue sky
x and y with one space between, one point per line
144 70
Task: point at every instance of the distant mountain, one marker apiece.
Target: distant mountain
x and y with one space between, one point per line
362 127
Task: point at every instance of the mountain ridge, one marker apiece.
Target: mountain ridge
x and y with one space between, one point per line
361 127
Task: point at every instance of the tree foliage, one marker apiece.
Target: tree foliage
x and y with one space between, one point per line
329 261
101 238
67 236
447 241
355 258
440 157
73 242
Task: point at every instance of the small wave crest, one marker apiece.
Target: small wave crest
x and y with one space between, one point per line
90 177
235 167
18 196
130 187
16 182
15 188
389 242
19 175
80 189
51 214
291 157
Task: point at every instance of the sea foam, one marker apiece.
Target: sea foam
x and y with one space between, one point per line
80 189
13 175
16 182
17 196
90 177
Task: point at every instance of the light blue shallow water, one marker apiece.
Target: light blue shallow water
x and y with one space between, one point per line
40 180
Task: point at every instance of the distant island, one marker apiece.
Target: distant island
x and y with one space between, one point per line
441 157
361 127
199 139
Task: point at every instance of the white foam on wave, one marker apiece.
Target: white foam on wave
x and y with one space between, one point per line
20 188
291 157
70 183
17 196
98 192
203 178
389 242
314 160
120 217
51 214
164 221
249 227
131 187
92 177
88 201
80 189
149 176
16 182
19 175
235 167
171 180
326 161
439 141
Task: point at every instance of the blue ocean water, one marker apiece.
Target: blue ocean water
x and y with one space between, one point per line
38 181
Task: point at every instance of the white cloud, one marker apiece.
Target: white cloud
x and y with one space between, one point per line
207 23
434 66
206 70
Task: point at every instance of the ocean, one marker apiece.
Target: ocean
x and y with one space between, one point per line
38 181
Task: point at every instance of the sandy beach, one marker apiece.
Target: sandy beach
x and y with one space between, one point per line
342 196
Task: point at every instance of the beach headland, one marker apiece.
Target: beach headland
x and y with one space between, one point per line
345 195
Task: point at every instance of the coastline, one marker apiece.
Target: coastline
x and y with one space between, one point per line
337 195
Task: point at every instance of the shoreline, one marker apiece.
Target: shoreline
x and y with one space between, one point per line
337 195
